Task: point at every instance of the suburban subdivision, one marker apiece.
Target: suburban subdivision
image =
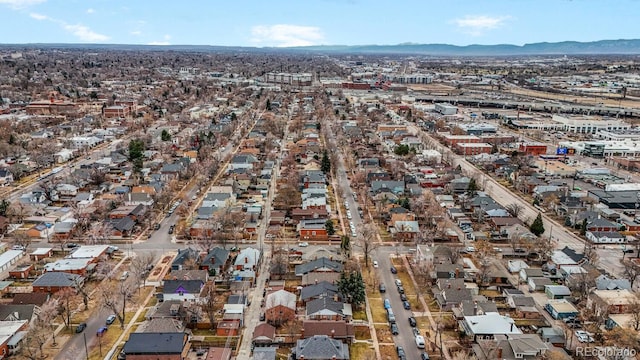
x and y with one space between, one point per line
217 205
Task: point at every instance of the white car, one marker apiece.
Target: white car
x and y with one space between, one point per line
420 341
303 244
584 336
375 264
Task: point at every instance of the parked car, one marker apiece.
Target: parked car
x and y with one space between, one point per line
398 282
171 228
420 342
403 297
412 321
394 329
382 288
416 332
262 316
375 264
18 247
156 226
387 304
400 352
394 270
101 331
124 276
406 305
584 336
80 328
111 319
424 356
303 244
401 289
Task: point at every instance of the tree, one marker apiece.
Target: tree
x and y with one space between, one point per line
367 241
211 303
537 226
328 225
165 136
514 209
140 266
472 188
136 153
401 150
325 163
631 270
114 296
352 285
66 305
345 245
4 207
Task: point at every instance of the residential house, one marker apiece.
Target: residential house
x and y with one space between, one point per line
247 259
165 346
527 273
328 308
340 329
552 335
449 271
280 307
186 258
538 283
52 282
603 282
438 254
135 199
405 230
172 171
72 266
488 326
11 335
312 229
451 292
6 177
319 290
264 335
215 261
320 265
513 347
185 290
320 347
612 301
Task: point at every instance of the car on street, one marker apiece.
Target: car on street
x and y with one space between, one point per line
406 305
387 304
111 319
156 226
424 356
584 336
171 228
124 276
382 288
262 316
627 251
398 282
80 328
375 264
420 342
415 331
400 351
394 329
394 270
401 289
101 331
303 244
18 247
412 322
403 297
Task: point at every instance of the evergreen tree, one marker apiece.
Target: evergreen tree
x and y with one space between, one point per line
136 153
165 136
345 244
472 188
352 286
329 227
268 107
537 227
325 164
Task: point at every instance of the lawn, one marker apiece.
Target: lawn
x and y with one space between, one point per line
362 332
406 282
383 334
388 352
378 312
360 315
107 340
416 305
361 351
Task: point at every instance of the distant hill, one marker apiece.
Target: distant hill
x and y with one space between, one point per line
602 47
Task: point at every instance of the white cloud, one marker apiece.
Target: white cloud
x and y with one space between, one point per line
84 33
284 35
20 4
90 11
159 43
136 33
39 16
477 25
80 31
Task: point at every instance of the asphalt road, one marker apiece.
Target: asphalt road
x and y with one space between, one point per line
74 348
405 337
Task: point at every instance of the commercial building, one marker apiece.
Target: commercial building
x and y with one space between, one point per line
589 124
473 148
534 149
446 109
453 140
302 79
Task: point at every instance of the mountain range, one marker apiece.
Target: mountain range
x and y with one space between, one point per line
602 47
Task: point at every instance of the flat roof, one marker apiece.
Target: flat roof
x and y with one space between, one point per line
8 256
41 251
563 306
67 264
88 251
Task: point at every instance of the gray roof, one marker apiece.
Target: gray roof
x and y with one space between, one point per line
316 305
155 343
188 286
391 185
322 263
324 288
216 257
16 312
183 256
58 279
217 196
605 283
523 301
264 353
321 347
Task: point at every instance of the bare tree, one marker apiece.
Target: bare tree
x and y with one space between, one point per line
140 266
211 303
114 296
367 241
631 270
515 209
65 299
